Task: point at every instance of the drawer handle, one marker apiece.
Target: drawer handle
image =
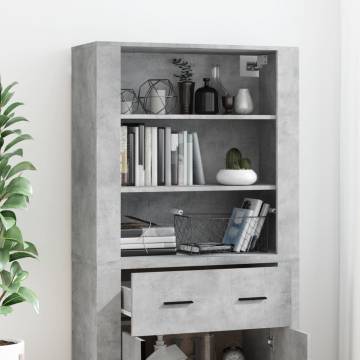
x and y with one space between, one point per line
169 303
253 298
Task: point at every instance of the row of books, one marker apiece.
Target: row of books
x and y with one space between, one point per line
152 156
245 225
140 238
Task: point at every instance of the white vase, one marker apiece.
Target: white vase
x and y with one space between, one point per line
236 177
14 351
158 101
243 102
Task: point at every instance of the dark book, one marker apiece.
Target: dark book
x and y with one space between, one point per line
131 158
174 158
145 252
142 145
161 156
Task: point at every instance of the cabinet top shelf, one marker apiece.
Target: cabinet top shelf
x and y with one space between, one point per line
196 117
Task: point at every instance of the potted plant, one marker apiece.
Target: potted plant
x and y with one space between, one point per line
185 85
238 170
15 192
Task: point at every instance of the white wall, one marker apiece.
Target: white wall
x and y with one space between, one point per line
35 50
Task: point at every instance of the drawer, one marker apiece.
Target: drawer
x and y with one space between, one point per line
176 302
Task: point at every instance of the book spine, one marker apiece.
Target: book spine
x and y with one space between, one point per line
148 148
161 156
143 252
246 222
154 156
141 155
263 213
198 169
181 159
174 158
190 159
149 246
131 158
124 171
168 156
134 131
185 157
148 239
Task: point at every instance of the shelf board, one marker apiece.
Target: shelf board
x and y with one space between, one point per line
183 260
196 117
178 188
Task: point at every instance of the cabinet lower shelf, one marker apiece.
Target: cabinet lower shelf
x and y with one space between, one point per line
183 260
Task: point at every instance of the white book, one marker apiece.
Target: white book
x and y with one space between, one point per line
148 246
137 165
198 175
181 159
154 157
148 239
255 206
185 157
148 149
190 159
123 155
168 156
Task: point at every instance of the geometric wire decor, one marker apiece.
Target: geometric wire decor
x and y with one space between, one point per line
129 101
157 96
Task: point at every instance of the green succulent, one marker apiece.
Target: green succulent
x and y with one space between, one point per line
15 192
235 161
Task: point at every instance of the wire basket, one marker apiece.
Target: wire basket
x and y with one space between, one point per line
199 230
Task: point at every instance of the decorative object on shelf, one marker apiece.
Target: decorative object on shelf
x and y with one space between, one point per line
243 102
206 99
205 347
164 352
16 191
217 83
238 170
228 103
157 96
185 86
129 101
233 353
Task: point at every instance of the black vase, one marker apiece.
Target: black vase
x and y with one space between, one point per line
186 96
206 99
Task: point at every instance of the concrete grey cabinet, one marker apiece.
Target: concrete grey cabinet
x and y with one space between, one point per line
269 137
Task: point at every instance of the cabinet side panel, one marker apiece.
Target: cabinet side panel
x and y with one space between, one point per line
288 164
108 201
84 202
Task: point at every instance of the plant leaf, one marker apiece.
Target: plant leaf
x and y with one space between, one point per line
20 255
22 166
17 152
4 258
5 91
7 222
14 120
19 185
10 132
5 310
30 248
6 278
13 299
30 297
12 107
16 201
17 140
3 119
5 99
15 268
14 233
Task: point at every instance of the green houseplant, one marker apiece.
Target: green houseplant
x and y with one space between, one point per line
238 170
15 193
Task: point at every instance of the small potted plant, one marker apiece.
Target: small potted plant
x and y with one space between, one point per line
185 85
238 170
15 192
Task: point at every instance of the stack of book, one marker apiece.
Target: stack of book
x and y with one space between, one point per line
142 239
245 225
152 156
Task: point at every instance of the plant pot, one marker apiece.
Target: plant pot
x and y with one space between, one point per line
236 177
186 96
13 351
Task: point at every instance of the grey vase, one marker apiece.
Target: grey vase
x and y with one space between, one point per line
243 102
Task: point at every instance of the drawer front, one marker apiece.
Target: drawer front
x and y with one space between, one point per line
259 298
177 301
209 300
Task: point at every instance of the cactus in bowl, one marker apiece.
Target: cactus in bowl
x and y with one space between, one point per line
238 170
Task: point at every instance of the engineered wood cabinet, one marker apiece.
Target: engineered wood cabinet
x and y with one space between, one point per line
252 297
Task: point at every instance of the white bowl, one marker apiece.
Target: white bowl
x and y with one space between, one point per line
14 351
236 177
